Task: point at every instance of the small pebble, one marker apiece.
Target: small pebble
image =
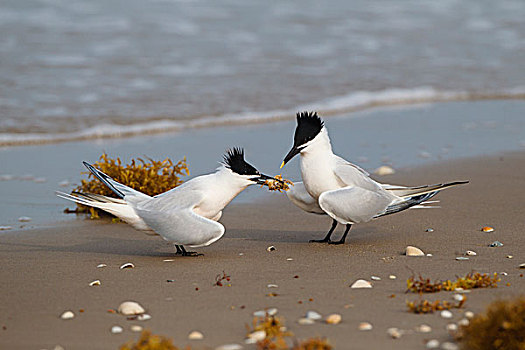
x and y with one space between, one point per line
471 253
333 319
361 284
496 244
462 258
424 328
5 228
446 314
413 251
469 314
365 326
24 219
95 283
67 315
449 346
432 344
452 327
313 315
394 333
384 170
195 335
270 248
127 266
305 321
375 278
464 322
129 308
143 317
116 329
429 230
101 265
272 286
487 229
229 347
392 277
136 328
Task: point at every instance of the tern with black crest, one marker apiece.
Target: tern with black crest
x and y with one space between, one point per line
185 215
345 192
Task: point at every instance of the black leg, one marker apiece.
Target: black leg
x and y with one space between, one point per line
328 235
342 240
186 253
179 251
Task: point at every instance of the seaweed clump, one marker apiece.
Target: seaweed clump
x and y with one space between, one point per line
427 307
470 281
145 175
149 341
500 327
276 336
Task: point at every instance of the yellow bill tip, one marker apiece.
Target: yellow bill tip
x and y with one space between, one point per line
282 164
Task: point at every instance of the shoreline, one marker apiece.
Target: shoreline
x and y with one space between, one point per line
49 269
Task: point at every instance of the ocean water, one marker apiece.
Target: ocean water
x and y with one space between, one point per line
73 69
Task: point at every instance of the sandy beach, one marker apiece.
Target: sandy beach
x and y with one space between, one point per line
48 270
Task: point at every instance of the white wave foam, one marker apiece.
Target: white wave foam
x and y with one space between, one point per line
342 104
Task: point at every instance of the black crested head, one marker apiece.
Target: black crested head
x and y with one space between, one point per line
309 125
234 160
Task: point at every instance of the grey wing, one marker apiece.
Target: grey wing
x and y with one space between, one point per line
298 195
176 221
351 175
354 204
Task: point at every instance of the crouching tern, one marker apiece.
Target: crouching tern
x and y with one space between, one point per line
185 215
340 189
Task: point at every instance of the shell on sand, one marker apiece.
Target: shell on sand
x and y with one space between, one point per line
361 284
413 251
365 326
67 315
333 319
384 170
487 229
129 308
127 266
116 329
195 335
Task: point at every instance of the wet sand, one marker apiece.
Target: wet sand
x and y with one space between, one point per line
48 270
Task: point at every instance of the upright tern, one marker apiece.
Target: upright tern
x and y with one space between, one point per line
340 189
185 215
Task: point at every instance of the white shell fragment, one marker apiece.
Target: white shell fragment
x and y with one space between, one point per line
469 314
333 319
452 327
136 328
272 286
463 322
99 266
424 328
446 314
229 347
129 308
67 315
262 313
459 297
361 284
471 253
95 283
522 266
313 315
365 326
462 258
413 251
510 256
270 248
289 259
432 344
195 335
384 170
116 329
127 266
24 219
143 317
255 337
375 278
429 230
394 333
392 277
305 321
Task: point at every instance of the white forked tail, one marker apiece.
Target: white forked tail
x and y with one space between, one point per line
114 206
